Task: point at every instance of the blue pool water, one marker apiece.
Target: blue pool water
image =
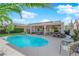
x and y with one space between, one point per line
27 41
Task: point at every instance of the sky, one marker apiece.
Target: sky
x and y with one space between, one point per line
64 12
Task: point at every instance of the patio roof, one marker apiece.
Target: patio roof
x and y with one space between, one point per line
46 23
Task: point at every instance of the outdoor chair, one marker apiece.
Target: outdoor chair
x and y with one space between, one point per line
49 33
54 35
58 34
40 33
62 35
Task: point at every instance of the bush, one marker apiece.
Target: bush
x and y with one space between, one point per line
76 35
3 32
17 30
9 28
56 30
33 32
75 31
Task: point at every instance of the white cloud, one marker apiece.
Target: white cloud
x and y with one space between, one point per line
68 9
26 14
48 20
45 20
67 20
64 6
21 21
77 15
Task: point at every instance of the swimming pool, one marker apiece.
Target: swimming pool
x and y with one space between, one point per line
22 41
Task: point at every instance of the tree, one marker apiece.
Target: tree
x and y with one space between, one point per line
9 28
5 21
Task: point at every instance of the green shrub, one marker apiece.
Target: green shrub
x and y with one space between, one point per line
56 30
33 32
10 28
17 30
76 35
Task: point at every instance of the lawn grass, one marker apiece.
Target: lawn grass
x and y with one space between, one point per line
1 35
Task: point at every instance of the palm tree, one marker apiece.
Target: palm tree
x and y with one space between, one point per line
16 7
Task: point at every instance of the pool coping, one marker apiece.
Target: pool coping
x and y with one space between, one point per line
8 49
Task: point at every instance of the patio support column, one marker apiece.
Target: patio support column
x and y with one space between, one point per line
30 29
62 28
45 30
25 30
34 29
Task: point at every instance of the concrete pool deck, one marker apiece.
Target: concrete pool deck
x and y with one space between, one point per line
52 49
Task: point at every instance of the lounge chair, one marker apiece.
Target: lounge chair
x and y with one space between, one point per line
58 34
39 33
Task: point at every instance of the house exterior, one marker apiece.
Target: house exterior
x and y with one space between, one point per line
76 24
19 25
73 26
45 27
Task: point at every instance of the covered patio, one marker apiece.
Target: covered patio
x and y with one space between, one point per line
45 27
